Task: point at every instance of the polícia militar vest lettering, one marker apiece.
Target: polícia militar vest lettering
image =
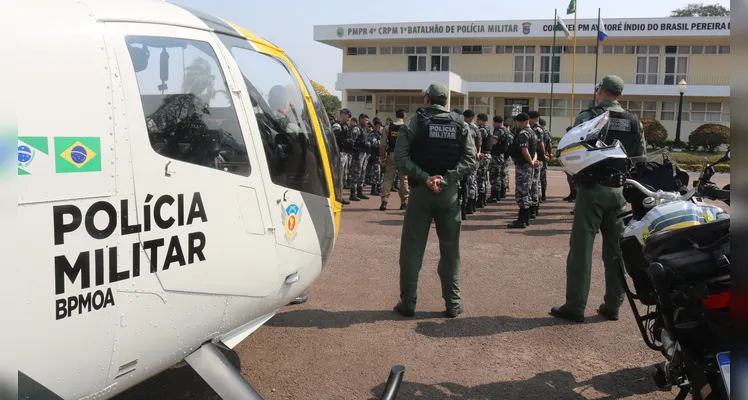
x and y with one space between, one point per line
392 137
623 126
437 145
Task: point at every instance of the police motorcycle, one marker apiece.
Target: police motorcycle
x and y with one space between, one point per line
676 250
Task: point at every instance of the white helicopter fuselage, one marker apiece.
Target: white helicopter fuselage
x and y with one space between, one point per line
160 206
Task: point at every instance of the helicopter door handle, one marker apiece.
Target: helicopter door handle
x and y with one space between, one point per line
284 195
293 278
166 169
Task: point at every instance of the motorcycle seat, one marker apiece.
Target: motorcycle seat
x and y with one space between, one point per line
677 240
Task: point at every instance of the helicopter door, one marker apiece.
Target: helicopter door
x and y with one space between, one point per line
299 194
205 215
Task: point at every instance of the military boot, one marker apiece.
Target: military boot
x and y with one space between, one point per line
531 213
494 196
470 206
353 196
479 202
383 207
361 195
463 212
502 195
528 216
572 196
537 211
344 202
374 190
520 222
542 197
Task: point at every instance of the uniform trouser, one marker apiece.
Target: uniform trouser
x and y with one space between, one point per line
570 181
362 160
345 165
389 179
504 175
535 187
523 184
494 171
596 208
543 177
375 170
482 175
471 184
444 209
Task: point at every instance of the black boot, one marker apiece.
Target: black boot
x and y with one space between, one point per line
528 215
383 206
479 203
502 195
494 196
572 196
463 213
353 196
520 222
531 213
542 197
470 206
345 202
374 190
537 211
361 195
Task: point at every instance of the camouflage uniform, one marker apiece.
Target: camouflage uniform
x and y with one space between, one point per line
504 176
375 167
484 165
536 188
359 159
472 177
544 167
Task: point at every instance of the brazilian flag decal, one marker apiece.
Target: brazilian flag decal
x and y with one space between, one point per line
77 154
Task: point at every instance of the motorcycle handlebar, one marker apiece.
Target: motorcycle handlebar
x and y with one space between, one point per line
659 195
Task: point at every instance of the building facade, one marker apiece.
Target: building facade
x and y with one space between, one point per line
497 67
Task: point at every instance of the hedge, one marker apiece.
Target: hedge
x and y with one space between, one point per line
654 132
710 136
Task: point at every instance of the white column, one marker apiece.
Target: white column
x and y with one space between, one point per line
344 98
374 102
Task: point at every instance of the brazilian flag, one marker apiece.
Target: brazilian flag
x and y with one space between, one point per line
572 7
77 154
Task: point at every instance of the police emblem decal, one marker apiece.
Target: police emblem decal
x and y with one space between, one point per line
291 220
340 31
526 28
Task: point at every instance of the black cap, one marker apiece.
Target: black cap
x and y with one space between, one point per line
541 121
498 118
522 117
468 113
346 112
354 119
482 117
533 114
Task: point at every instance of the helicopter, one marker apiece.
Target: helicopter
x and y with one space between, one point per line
177 182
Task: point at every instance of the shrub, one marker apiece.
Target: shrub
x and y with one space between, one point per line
710 136
654 132
669 144
555 162
688 146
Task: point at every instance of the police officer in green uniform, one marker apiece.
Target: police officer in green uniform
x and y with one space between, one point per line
435 149
599 201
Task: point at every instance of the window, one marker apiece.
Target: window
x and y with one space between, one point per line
642 109
188 109
440 63
441 49
481 104
509 105
385 50
669 111
361 51
619 49
710 112
365 101
647 69
288 137
416 61
724 49
561 107
524 67
545 69
390 104
331 145
676 68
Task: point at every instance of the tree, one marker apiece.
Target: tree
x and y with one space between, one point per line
701 10
710 136
330 101
654 132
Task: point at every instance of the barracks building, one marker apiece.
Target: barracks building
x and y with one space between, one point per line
497 67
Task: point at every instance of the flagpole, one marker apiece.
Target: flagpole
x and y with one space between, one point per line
573 66
597 57
553 56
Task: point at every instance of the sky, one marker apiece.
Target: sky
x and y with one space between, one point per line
290 24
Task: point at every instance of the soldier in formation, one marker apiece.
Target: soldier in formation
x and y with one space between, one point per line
374 164
484 158
499 170
523 152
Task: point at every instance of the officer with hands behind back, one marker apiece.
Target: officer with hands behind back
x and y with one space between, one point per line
523 152
599 200
435 149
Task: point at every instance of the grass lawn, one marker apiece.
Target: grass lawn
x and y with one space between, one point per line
685 157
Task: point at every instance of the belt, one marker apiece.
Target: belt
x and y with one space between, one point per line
612 180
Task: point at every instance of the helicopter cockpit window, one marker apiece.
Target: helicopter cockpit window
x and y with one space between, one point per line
188 109
291 146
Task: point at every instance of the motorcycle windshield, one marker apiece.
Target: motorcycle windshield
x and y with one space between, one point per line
591 130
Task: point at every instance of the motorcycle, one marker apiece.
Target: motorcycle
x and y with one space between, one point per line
676 250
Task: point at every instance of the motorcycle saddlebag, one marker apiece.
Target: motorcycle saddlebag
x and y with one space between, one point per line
691 253
636 267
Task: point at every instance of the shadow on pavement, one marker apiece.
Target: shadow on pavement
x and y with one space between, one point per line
178 384
543 233
557 385
388 222
463 327
322 319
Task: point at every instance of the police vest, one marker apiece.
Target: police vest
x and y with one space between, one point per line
486 136
540 137
392 137
623 126
532 144
437 145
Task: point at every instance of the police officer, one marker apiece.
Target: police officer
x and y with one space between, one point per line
499 146
548 139
484 158
435 149
471 180
358 162
341 130
523 151
541 156
375 165
598 203
387 156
